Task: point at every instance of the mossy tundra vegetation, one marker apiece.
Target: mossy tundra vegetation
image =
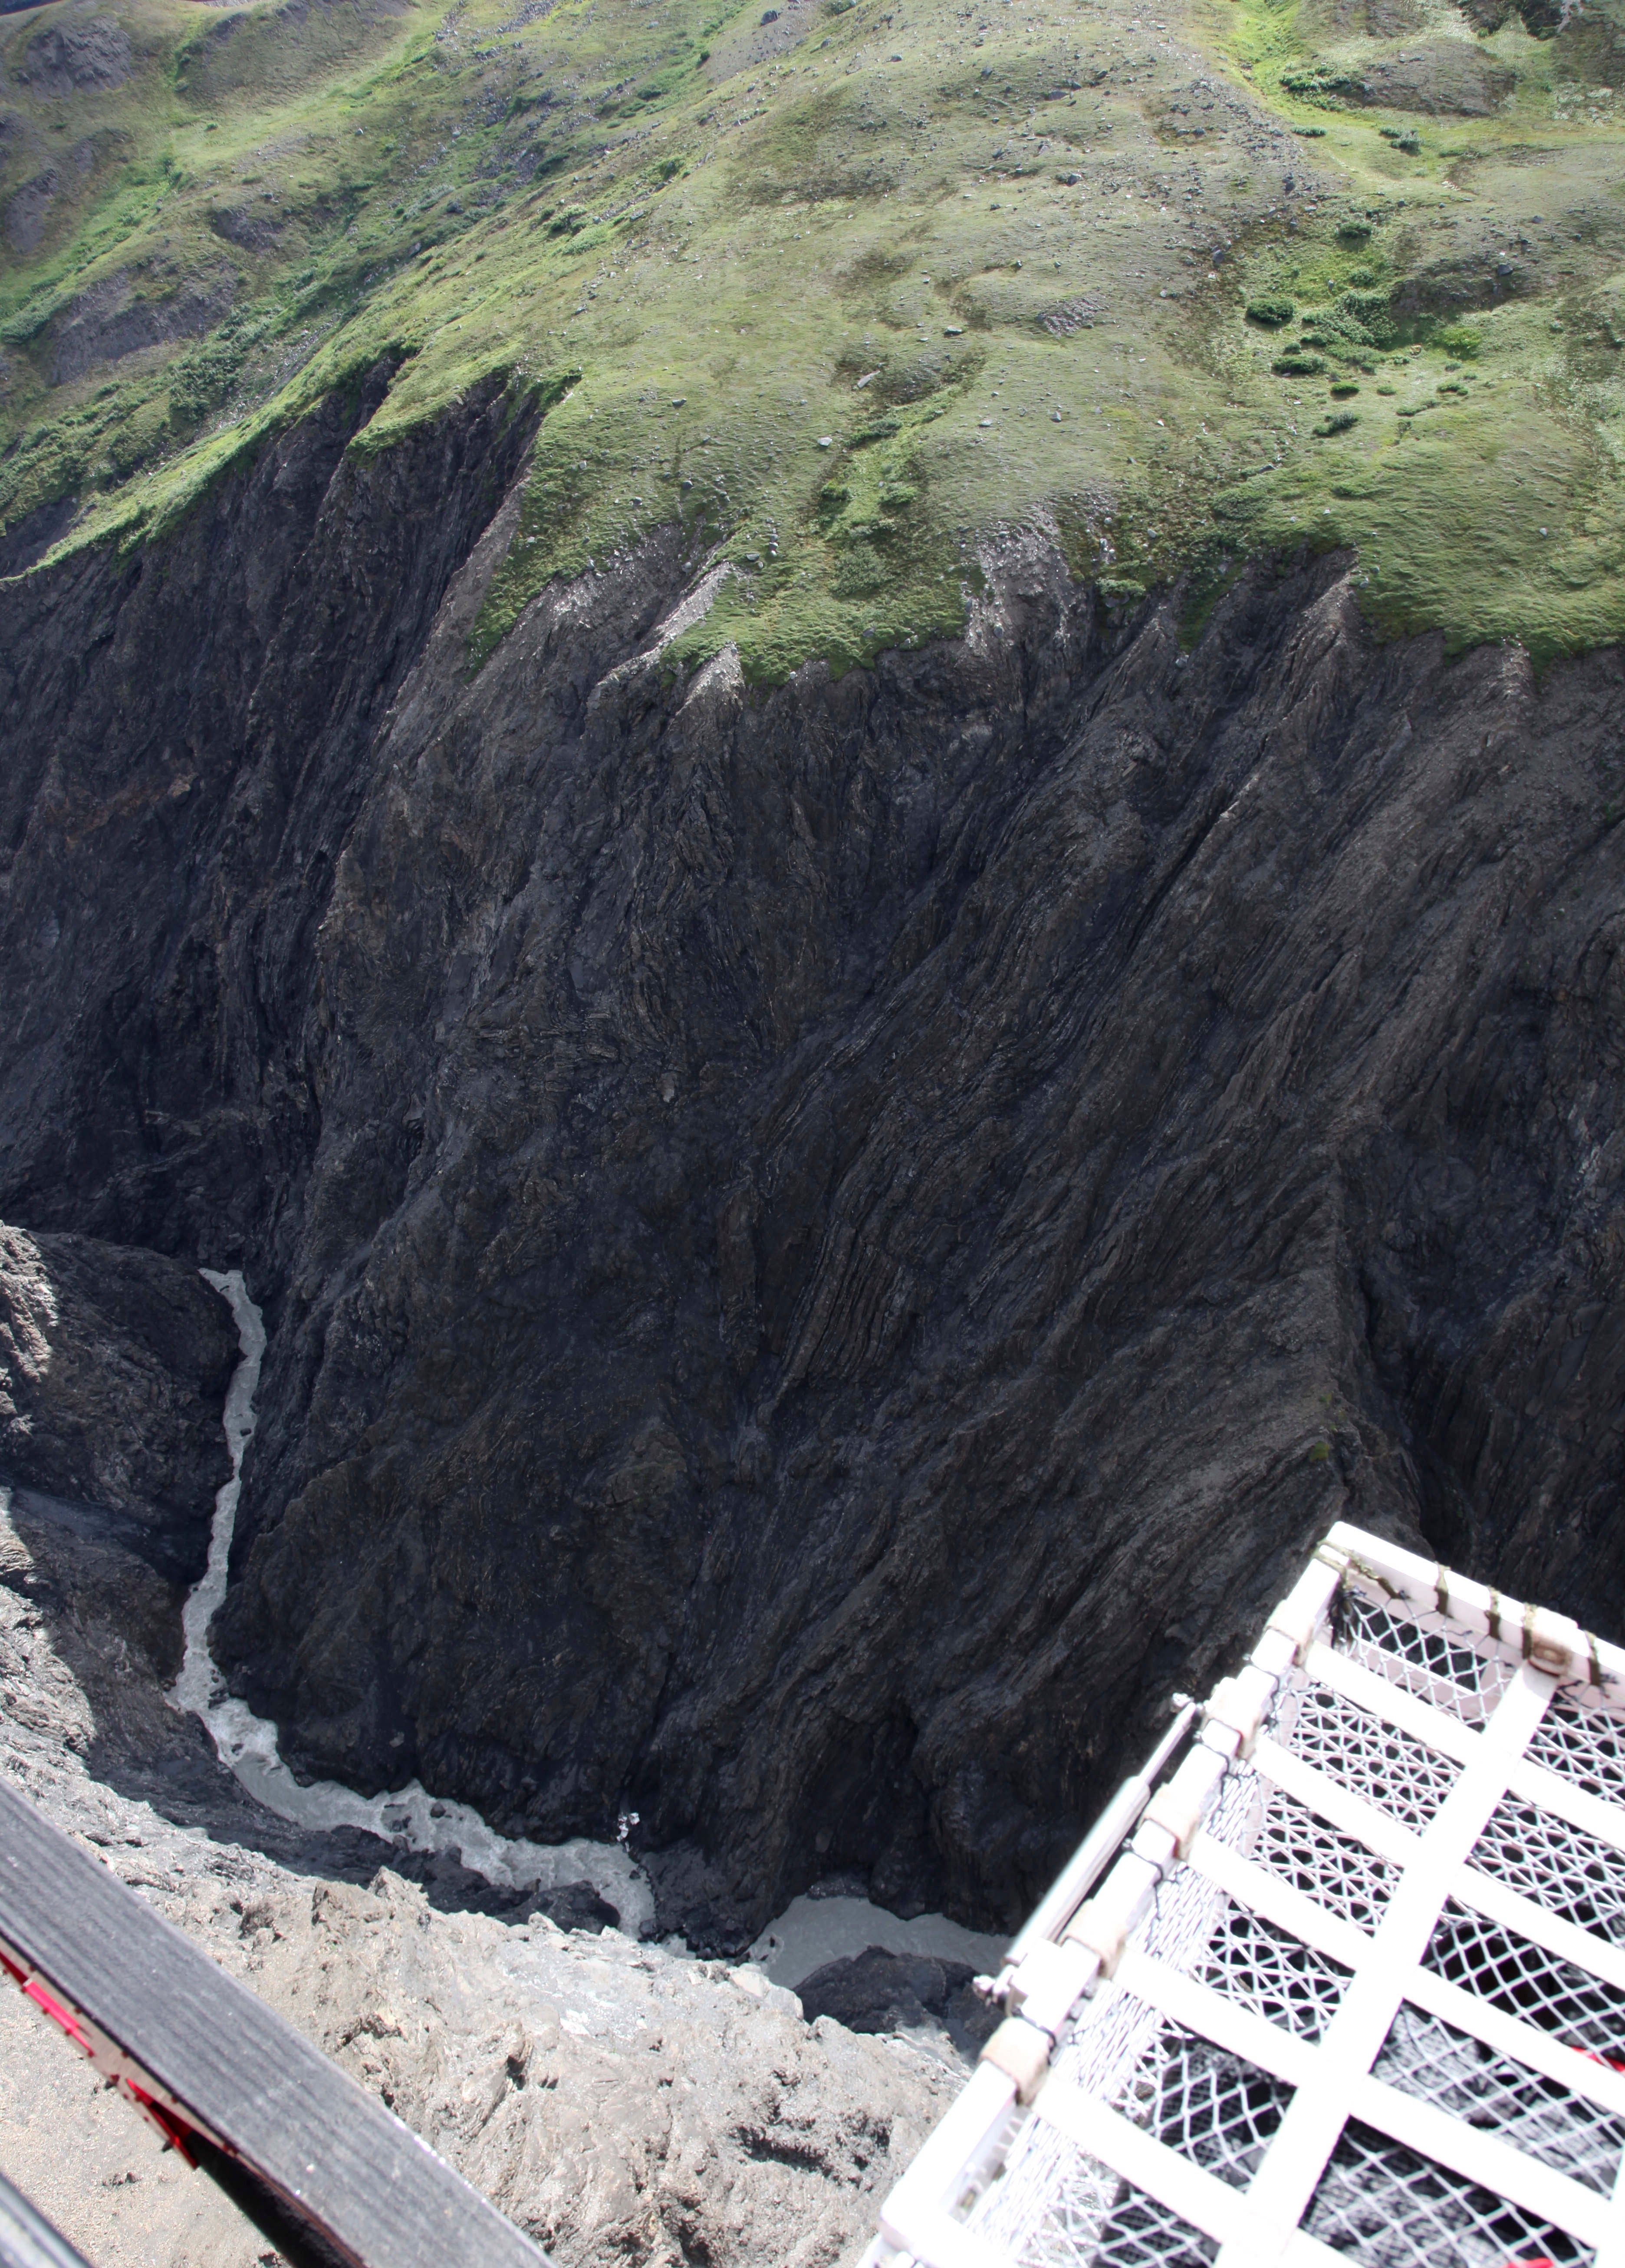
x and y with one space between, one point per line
842 285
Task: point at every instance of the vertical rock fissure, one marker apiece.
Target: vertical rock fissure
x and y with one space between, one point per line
247 1744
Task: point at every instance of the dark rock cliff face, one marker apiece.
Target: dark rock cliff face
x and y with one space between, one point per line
822 1249
114 1371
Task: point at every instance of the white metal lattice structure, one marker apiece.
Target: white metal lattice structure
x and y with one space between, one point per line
1352 1985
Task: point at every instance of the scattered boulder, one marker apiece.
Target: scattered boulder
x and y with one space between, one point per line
572 1905
912 1993
881 1991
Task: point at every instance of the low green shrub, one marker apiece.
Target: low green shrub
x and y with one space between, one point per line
1271 312
1316 83
200 380
1459 339
1369 314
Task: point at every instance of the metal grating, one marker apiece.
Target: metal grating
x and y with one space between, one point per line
1425 2056
1559 1865
1092 2214
1301 1850
1386 2206
1272 1974
1370 1759
1528 1981
1374 2011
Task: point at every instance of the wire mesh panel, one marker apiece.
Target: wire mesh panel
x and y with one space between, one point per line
1369 1983
1213 2111
1088 2213
1425 2056
1272 1974
1139 2233
1527 1980
1307 1854
1436 1664
1214 2108
1582 1745
1556 1865
1387 2207
1357 1751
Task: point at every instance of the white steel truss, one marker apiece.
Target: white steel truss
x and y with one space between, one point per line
1352 1987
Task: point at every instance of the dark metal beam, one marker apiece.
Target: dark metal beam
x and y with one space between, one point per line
324 2168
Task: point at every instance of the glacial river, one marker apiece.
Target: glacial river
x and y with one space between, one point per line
810 1931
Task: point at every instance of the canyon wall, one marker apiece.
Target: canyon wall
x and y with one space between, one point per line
827 1245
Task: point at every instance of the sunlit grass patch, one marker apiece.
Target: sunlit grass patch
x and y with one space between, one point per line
837 294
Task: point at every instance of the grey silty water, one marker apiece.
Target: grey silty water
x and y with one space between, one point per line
247 1743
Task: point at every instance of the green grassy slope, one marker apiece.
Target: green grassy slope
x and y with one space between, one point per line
848 284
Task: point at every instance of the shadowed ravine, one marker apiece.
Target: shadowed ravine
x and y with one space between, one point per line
821 1248
247 1743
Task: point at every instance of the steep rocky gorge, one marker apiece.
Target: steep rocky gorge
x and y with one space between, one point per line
823 1247
619 2101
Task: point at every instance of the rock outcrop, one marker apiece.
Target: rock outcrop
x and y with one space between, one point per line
823 1246
114 1368
911 1993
